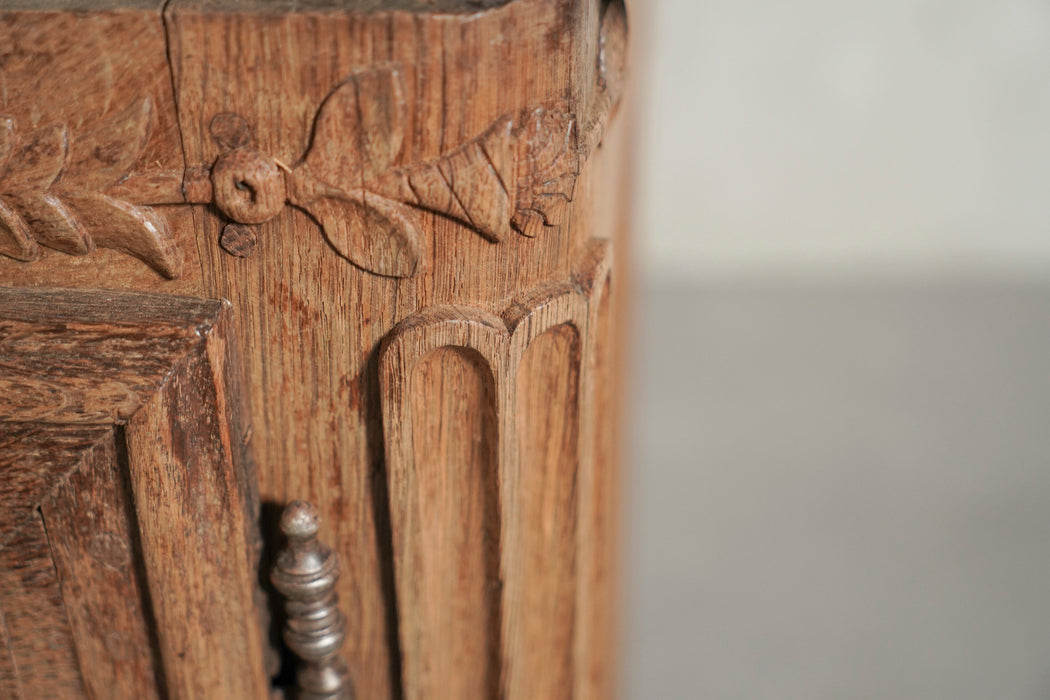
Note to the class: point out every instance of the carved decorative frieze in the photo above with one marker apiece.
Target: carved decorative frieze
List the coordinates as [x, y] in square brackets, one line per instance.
[53, 191]
[72, 192]
[519, 174]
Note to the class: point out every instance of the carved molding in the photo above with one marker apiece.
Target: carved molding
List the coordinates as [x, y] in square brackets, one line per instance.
[76, 364]
[517, 175]
[72, 192]
[53, 188]
[506, 481]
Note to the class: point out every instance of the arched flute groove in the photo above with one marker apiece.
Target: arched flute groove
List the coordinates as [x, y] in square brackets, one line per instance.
[479, 404]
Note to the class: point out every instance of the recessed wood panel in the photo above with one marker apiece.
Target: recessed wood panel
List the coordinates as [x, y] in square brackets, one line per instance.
[35, 618]
[94, 543]
[34, 458]
[540, 600]
[128, 556]
[454, 621]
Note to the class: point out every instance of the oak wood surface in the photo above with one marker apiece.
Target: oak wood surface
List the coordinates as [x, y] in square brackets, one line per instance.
[41, 652]
[93, 539]
[128, 555]
[412, 210]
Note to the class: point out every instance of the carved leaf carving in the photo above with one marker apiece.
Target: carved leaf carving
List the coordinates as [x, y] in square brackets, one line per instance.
[370, 231]
[102, 157]
[133, 230]
[52, 192]
[34, 165]
[358, 132]
[37, 162]
[53, 224]
[15, 239]
[518, 175]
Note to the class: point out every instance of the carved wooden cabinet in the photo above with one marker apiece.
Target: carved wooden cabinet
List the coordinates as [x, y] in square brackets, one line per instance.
[357, 252]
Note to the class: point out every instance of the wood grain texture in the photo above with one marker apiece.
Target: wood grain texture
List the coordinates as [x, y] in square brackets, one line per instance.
[73, 172]
[409, 220]
[146, 571]
[534, 358]
[453, 574]
[35, 619]
[306, 318]
[201, 572]
[34, 459]
[598, 534]
[94, 546]
[541, 601]
[75, 358]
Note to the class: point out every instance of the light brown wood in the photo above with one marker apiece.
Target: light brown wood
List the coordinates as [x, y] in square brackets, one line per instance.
[534, 358]
[411, 208]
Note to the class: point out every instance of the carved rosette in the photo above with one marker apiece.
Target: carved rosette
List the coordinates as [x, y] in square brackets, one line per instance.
[518, 175]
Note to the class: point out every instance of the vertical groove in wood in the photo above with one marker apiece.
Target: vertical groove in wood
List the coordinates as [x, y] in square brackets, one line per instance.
[94, 551]
[37, 623]
[539, 601]
[452, 620]
[440, 384]
[596, 633]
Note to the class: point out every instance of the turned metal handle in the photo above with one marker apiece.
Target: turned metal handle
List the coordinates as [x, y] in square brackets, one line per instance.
[305, 574]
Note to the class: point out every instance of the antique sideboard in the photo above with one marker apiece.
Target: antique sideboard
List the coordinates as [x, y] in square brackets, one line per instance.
[309, 370]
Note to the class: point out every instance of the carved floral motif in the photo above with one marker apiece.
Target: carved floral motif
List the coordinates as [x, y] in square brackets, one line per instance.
[518, 175]
[53, 192]
[71, 192]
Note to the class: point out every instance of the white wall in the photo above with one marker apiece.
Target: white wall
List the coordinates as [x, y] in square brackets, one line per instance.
[864, 137]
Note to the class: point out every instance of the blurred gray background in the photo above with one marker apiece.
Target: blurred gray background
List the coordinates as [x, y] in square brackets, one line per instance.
[839, 484]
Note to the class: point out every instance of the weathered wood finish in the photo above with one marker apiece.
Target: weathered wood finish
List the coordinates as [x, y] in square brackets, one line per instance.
[93, 542]
[411, 207]
[531, 370]
[118, 444]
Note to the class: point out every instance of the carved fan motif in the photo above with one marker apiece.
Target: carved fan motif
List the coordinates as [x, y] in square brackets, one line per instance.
[52, 192]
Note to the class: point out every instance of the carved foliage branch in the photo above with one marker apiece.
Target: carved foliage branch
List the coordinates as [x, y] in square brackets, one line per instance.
[53, 191]
[518, 175]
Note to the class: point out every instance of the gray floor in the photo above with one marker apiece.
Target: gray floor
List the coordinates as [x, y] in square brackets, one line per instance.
[842, 493]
